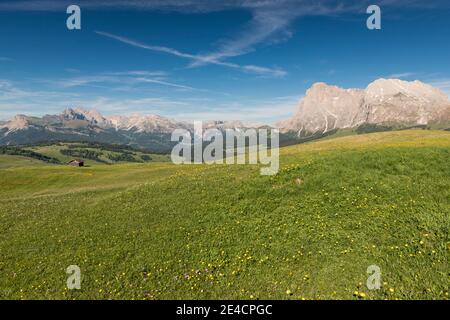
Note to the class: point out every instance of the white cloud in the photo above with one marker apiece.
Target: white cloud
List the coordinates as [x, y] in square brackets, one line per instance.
[108, 106]
[139, 73]
[267, 112]
[9, 91]
[127, 106]
[14, 100]
[263, 115]
[199, 59]
[189, 109]
[401, 75]
[269, 23]
[443, 84]
[125, 78]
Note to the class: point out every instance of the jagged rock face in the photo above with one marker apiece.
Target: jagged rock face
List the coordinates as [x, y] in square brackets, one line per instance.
[325, 108]
[407, 103]
[149, 123]
[93, 117]
[383, 102]
[20, 122]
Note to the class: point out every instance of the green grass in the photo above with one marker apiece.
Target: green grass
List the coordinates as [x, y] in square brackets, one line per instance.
[160, 231]
[9, 161]
[54, 151]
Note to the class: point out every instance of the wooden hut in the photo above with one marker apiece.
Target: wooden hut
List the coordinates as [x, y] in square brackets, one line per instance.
[76, 163]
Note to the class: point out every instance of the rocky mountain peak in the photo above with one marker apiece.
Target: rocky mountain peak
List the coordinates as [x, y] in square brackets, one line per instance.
[385, 88]
[92, 116]
[144, 123]
[384, 101]
[20, 122]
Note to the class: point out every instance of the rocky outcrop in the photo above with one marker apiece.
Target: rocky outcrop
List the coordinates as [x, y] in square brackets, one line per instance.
[93, 117]
[20, 122]
[145, 123]
[384, 102]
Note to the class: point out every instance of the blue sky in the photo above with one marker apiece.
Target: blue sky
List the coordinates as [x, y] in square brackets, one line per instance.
[198, 60]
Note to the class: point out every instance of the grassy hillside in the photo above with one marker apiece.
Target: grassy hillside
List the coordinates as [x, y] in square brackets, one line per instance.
[159, 231]
[97, 153]
[10, 161]
[91, 153]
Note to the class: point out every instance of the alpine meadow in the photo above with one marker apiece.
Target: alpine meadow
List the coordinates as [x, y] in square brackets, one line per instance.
[159, 231]
[224, 158]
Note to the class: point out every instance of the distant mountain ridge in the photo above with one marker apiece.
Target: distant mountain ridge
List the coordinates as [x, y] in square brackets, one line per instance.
[325, 109]
[77, 124]
[384, 102]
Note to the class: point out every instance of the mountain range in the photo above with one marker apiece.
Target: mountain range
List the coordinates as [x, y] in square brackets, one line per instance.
[150, 132]
[392, 104]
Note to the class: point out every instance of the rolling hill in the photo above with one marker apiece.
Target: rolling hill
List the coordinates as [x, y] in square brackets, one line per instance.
[160, 231]
[92, 153]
